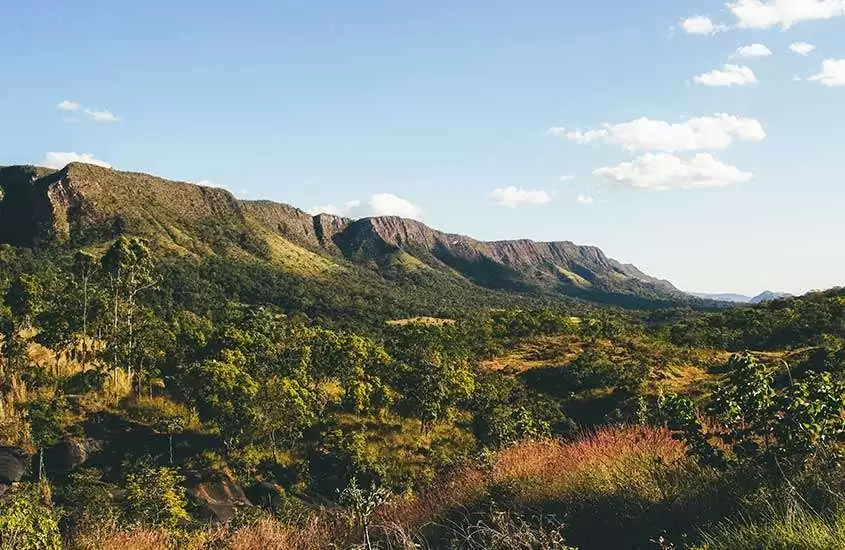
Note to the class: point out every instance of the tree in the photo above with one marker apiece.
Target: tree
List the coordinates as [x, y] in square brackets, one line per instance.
[129, 267]
[85, 268]
[287, 408]
[432, 388]
[223, 394]
[363, 504]
[778, 428]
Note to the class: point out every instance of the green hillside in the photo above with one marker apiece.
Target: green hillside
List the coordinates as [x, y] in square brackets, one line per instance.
[89, 206]
[180, 369]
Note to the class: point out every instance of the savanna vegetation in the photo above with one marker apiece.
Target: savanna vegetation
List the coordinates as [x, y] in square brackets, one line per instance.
[152, 403]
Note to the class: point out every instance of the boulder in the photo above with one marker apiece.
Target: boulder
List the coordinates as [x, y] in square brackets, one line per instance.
[218, 500]
[13, 466]
[266, 495]
[70, 453]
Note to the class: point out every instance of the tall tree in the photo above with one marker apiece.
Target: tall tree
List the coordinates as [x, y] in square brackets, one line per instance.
[129, 266]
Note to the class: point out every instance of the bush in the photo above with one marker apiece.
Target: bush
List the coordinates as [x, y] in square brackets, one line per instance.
[155, 497]
[26, 522]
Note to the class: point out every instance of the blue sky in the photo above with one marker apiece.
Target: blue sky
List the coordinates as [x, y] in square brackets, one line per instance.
[467, 114]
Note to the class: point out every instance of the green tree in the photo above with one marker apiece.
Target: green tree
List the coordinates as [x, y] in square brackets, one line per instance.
[223, 394]
[85, 267]
[128, 265]
[287, 408]
[432, 389]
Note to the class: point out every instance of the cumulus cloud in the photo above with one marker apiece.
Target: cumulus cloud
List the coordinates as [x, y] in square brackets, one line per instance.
[710, 132]
[730, 75]
[59, 160]
[765, 14]
[832, 74]
[802, 48]
[701, 24]
[513, 197]
[753, 50]
[101, 116]
[381, 204]
[68, 105]
[584, 199]
[664, 172]
[567, 178]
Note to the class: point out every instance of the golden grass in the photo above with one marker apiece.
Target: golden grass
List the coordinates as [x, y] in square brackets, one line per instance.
[432, 321]
[599, 463]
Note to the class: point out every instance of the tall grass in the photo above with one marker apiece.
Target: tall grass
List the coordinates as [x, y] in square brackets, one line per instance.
[613, 488]
[802, 532]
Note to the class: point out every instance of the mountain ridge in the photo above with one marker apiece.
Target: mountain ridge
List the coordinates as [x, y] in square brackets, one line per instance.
[765, 296]
[84, 204]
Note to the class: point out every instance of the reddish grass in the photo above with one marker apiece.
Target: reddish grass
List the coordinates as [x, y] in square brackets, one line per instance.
[599, 462]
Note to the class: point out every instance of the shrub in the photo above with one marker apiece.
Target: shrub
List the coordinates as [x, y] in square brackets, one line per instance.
[155, 496]
[26, 522]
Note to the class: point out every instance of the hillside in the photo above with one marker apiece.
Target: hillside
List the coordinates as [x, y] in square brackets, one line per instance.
[86, 205]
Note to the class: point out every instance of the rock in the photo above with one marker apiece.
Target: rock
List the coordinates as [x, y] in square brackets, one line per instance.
[217, 501]
[266, 495]
[13, 466]
[70, 453]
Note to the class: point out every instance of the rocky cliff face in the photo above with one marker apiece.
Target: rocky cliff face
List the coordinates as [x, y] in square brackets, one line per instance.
[83, 203]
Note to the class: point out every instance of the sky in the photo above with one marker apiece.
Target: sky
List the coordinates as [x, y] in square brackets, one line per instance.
[700, 140]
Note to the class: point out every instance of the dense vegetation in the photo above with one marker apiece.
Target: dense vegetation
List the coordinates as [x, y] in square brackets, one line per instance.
[148, 402]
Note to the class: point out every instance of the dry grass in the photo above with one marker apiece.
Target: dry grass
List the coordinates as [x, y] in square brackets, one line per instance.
[611, 461]
[431, 321]
[598, 463]
[135, 539]
[552, 471]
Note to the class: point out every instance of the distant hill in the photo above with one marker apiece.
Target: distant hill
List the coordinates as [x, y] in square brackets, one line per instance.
[768, 296]
[764, 296]
[85, 205]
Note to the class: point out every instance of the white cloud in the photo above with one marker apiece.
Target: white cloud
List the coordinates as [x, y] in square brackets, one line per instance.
[663, 172]
[60, 160]
[710, 132]
[802, 48]
[701, 24]
[765, 14]
[584, 199]
[730, 75]
[833, 73]
[753, 50]
[381, 204]
[92, 114]
[513, 197]
[567, 178]
[68, 105]
[556, 130]
[101, 116]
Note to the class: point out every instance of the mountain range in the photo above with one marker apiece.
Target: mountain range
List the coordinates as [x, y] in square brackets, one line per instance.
[765, 296]
[84, 205]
